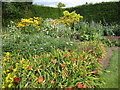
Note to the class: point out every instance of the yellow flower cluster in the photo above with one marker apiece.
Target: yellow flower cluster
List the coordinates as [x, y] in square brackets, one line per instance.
[9, 80]
[27, 22]
[72, 17]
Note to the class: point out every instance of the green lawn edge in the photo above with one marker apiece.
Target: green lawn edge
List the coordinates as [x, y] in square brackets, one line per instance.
[111, 77]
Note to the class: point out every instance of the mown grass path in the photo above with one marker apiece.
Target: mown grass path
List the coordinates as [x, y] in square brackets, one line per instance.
[111, 78]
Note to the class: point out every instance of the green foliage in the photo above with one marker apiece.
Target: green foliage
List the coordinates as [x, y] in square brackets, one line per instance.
[34, 44]
[89, 31]
[110, 43]
[106, 12]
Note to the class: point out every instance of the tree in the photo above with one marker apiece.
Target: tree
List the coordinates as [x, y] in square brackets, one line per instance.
[60, 4]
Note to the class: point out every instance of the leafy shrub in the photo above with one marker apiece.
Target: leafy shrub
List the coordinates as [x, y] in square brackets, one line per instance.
[89, 31]
[35, 43]
[56, 69]
[95, 48]
[110, 43]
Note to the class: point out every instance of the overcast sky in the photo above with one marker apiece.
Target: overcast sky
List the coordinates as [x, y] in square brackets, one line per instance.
[68, 3]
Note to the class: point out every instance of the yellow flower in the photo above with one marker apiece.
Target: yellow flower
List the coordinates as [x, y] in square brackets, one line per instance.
[15, 70]
[17, 64]
[10, 85]
[22, 60]
[4, 59]
[4, 72]
[20, 25]
[66, 13]
[30, 18]
[8, 70]
[3, 86]
[7, 54]
[4, 64]
[36, 22]
[11, 79]
[36, 17]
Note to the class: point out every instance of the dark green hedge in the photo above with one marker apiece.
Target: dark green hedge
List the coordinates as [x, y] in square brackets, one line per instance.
[14, 11]
[46, 12]
[106, 12]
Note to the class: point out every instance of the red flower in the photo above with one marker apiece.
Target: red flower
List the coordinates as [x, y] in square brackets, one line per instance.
[81, 66]
[38, 56]
[29, 67]
[84, 86]
[82, 58]
[52, 60]
[73, 51]
[11, 67]
[100, 59]
[51, 81]
[62, 65]
[18, 49]
[79, 85]
[65, 72]
[94, 71]
[16, 79]
[72, 59]
[40, 80]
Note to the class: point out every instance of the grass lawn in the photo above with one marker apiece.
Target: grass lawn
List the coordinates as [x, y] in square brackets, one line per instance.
[111, 78]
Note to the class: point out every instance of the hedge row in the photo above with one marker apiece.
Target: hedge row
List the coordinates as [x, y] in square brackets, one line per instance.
[106, 12]
[14, 11]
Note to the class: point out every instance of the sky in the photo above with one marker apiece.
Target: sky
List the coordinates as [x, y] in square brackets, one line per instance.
[68, 3]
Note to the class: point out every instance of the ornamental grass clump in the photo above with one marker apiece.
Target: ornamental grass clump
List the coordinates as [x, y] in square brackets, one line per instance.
[55, 69]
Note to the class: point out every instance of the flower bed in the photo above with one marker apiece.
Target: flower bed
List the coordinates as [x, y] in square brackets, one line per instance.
[57, 69]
